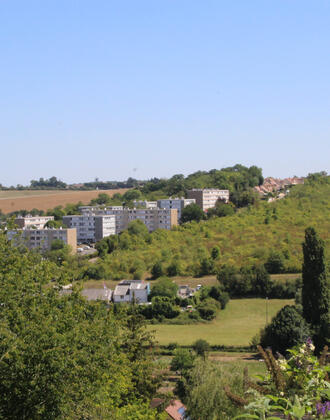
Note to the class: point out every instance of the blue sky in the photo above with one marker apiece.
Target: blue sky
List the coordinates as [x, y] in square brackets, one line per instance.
[113, 89]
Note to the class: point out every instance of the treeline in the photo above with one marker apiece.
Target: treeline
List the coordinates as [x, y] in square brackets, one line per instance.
[235, 178]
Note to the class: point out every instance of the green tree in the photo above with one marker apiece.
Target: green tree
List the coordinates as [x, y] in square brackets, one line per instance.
[138, 228]
[287, 329]
[183, 360]
[157, 270]
[275, 263]
[205, 396]
[162, 306]
[315, 287]
[164, 287]
[201, 347]
[192, 212]
[215, 252]
[60, 356]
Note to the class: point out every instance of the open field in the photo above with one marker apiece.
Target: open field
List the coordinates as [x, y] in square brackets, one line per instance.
[13, 200]
[234, 326]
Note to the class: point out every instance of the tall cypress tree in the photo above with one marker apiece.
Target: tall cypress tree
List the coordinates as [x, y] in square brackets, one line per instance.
[315, 290]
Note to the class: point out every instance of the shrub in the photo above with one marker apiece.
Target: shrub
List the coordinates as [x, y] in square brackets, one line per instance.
[157, 270]
[207, 309]
[287, 329]
[201, 347]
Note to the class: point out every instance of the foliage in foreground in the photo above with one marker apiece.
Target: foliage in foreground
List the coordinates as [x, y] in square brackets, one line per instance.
[297, 388]
[61, 357]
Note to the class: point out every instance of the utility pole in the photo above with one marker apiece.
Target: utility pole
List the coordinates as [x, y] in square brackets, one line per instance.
[266, 310]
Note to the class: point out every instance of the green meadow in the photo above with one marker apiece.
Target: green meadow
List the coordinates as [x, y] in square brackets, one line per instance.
[234, 326]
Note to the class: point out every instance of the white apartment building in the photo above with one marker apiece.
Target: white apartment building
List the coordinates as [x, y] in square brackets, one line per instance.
[175, 203]
[206, 198]
[95, 209]
[42, 238]
[28, 221]
[145, 204]
[91, 227]
[152, 218]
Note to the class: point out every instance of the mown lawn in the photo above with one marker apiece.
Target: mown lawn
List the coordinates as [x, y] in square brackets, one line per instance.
[234, 326]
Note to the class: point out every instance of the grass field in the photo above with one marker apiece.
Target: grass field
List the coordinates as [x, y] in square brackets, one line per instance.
[234, 326]
[13, 200]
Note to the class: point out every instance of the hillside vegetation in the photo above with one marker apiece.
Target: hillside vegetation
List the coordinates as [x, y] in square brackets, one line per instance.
[248, 237]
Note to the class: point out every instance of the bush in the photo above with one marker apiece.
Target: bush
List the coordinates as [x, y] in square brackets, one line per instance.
[275, 263]
[157, 270]
[201, 347]
[164, 287]
[207, 309]
[287, 329]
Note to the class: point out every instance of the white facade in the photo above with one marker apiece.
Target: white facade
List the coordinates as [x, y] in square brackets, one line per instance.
[95, 209]
[42, 238]
[207, 198]
[32, 221]
[91, 227]
[152, 218]
[145, 204]
[129, 290]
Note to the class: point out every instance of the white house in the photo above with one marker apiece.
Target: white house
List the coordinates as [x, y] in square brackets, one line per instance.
[127, 290]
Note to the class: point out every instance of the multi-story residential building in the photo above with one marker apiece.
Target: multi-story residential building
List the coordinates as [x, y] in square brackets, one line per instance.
[175, 203]
[129, 290]
[91, 227]
[42, 238]
[206, 198]
[145, 204]
[95, 209]
[29, 221]
[152, 218]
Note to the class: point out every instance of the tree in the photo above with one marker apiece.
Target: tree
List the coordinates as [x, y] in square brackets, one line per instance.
[315, 287]
[138, 228]
[60, 356]
[192, 212]
[287, 329]
[215, 252]
[221, 209]
[201, 347]
[157, 270]
[208, 309]
[162, 306]
[275, 263]
[183, 360]
[205, 396]
[164, 287]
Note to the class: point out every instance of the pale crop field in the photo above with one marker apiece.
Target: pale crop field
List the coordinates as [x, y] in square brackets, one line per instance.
[13, 200]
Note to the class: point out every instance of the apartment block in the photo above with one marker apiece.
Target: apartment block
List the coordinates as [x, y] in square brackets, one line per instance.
[145, 204]
[42, 238]
[175, 203]
[95, 209]
[206, 198]
[152, 218]
[91, 227]
[29, 221]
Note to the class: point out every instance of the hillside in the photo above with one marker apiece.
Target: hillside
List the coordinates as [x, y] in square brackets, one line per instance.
[245, 238]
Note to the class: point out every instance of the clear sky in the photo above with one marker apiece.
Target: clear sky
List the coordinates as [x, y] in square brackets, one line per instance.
[152, 88]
